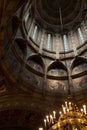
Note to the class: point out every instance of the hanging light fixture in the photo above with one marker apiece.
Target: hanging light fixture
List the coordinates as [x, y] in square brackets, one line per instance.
[70, 117]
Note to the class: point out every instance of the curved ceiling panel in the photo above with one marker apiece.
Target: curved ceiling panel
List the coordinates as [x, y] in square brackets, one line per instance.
[57, 65]
[40, 55]
[58, 11]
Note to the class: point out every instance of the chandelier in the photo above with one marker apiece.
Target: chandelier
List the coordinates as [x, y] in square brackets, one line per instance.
[70, 117]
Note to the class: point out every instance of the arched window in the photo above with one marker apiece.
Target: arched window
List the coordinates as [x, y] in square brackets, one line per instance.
[81, 39]
[39, 37]
[35, 33]
[65, 41]
[49, 42]
[26, 17]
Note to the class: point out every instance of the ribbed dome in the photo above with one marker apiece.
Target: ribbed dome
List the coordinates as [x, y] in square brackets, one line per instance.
[35, 59]
[48, 12]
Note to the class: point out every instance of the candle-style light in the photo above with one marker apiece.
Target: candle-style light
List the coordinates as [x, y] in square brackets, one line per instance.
[69, 104]
[45, 122]
[47, 118]
[64, 110]
[51, 118]
[54, 114]
[66, 103]
[60, 112]
[40, 128]
[84, 109]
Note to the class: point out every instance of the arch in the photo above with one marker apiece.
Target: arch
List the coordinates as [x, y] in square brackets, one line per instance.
[77, 61]
[56, 64]
[38, 59]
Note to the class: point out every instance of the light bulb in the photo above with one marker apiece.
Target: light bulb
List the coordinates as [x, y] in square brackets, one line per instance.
[40, 128]
[60, 112]
[54, 114]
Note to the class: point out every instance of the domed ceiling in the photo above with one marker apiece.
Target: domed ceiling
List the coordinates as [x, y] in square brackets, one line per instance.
[35, 65]
[33, 78]
[50, 12]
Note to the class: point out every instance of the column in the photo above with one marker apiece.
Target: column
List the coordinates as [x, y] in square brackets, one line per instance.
[39, 36]
[61, 43]
[45, 40]
[57, 47]
[76, 39]
[54, 43]
[42, 42]
[69, 42]
[73, 43]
